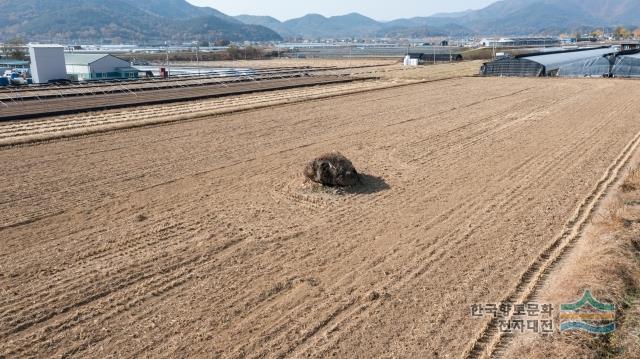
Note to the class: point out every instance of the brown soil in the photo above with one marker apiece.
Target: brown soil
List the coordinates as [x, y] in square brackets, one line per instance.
[199, 237]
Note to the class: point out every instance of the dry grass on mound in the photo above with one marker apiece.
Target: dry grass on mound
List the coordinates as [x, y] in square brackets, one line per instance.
[632, 182]
[613, 215]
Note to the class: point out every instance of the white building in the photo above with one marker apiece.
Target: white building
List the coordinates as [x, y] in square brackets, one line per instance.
[47, 63]
[83, 67]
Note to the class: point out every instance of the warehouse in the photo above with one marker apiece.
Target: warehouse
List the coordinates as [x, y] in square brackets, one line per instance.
[627, 64]
[591, 62]
[86, 67]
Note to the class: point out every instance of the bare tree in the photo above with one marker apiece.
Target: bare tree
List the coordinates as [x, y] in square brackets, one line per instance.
[622, 33]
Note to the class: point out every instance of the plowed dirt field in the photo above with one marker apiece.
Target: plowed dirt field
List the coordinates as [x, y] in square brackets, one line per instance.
[200, 237]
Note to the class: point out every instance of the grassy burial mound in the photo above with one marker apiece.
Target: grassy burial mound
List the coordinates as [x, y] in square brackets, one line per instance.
[332, 169]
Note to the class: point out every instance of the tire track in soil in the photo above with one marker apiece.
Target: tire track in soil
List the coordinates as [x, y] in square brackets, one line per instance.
[490, 338]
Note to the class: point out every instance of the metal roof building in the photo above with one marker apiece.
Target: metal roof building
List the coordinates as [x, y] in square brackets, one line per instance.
[84, 67]
[627, 64]
[591, 62]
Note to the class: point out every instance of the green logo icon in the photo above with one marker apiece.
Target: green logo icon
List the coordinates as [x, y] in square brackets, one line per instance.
[588, 315]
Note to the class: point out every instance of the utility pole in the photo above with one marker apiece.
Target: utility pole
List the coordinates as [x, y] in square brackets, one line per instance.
[350, 53]
[198, 56]
[434, 54]
[168, 64]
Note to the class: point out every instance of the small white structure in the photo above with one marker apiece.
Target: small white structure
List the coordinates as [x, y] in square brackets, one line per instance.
[83, 67]
[408, 61]
[47, 63]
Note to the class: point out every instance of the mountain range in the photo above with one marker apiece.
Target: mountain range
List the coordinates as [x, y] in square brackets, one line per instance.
[315, 26]
[521, 17]
[505, 17]
[122, 20]
[180, 21]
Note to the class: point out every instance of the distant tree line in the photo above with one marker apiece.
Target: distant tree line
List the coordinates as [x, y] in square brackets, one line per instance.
[233, 52]
[245, 53]
[14, 49]
[622, 33]
[619, 33]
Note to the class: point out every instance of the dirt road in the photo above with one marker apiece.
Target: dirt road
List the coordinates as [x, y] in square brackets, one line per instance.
[199, 238]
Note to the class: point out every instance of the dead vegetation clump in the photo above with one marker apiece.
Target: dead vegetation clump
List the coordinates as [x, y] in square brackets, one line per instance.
[612, 215]
[333, 170]
[632, 182]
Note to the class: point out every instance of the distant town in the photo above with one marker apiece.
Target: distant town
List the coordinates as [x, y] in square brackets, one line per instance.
[100, 62]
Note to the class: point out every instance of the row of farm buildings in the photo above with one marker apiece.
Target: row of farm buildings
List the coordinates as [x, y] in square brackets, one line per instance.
[588, 62]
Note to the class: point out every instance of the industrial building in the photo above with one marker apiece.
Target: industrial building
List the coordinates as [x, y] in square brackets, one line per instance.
[589, 62]
[522, 42]
[87, 67]
[627, 64]
[47, 63]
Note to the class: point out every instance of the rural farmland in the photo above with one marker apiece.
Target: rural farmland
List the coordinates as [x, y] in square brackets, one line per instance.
[126, 235]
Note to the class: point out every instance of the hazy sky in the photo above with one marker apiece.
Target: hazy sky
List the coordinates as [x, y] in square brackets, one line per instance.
[380, 10]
